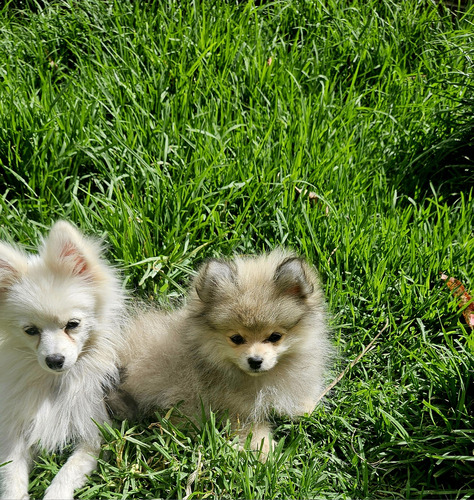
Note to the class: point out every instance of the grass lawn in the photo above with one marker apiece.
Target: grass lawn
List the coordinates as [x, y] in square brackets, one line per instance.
[180, 130]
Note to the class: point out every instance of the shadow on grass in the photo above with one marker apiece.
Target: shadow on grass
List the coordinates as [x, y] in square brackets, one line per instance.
[442, 160]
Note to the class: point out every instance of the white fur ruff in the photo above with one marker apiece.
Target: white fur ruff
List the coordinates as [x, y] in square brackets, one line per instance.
[49, 411]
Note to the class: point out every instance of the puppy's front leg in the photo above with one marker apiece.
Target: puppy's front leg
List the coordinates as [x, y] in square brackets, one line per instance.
[14, 476]
[261, 438]
[72, 474]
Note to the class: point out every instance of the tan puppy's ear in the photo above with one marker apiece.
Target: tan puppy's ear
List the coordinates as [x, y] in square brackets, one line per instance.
[13, 264]
[66, 250]
[291, 278]
[213, 279]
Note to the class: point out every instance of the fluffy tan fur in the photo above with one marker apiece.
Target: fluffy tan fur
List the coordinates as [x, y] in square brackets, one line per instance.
[251, 339]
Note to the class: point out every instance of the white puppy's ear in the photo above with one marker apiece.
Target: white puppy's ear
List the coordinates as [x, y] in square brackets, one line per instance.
[67, 250]
[291, 278]
[213, 279]
[13, 264]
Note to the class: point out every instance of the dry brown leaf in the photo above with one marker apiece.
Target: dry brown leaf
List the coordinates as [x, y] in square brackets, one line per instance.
[313, 198]
[465, 300]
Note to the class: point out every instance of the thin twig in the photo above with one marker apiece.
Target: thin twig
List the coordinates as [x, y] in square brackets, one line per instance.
[332, 253]
[353, 363]
[361, 458]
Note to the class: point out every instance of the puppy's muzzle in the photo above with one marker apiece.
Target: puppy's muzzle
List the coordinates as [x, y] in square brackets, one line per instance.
[255, 362]
[55, 361]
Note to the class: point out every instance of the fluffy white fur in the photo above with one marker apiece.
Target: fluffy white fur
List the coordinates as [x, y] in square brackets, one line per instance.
[252, 339]
[60, 324]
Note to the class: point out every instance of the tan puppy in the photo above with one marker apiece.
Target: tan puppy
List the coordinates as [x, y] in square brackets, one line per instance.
[251, 339]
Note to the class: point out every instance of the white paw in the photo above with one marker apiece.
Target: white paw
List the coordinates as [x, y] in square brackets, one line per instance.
[53, 493]
[14, 495]
[261, 440]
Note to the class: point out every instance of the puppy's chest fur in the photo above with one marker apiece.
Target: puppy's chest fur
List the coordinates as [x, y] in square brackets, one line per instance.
[51, 411]
[243, 396]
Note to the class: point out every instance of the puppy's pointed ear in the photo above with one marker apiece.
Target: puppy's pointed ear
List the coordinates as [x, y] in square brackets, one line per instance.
[213, 279]
[67, 250]
[13, 264]
[291, 278]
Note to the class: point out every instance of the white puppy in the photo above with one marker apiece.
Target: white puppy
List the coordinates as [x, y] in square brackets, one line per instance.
[60, 324]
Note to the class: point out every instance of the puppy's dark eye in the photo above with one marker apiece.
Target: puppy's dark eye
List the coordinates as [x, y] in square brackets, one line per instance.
[274, 337]
[32, 330]
[73, 323]
[237, 339]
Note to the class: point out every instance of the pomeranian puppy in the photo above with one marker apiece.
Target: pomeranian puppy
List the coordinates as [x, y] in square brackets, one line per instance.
[60, 324]
[252, 339]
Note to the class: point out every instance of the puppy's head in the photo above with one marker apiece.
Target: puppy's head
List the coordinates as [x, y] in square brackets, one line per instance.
[254, 310]
[49, 302]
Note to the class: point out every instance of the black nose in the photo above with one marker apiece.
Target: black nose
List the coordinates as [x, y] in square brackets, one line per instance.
[255, 362]
[55, 361]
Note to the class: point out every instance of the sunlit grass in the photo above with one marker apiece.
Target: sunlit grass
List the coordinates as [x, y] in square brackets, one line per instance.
[181, 130]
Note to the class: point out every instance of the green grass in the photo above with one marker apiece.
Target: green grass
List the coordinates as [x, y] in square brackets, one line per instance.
[181, 130]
